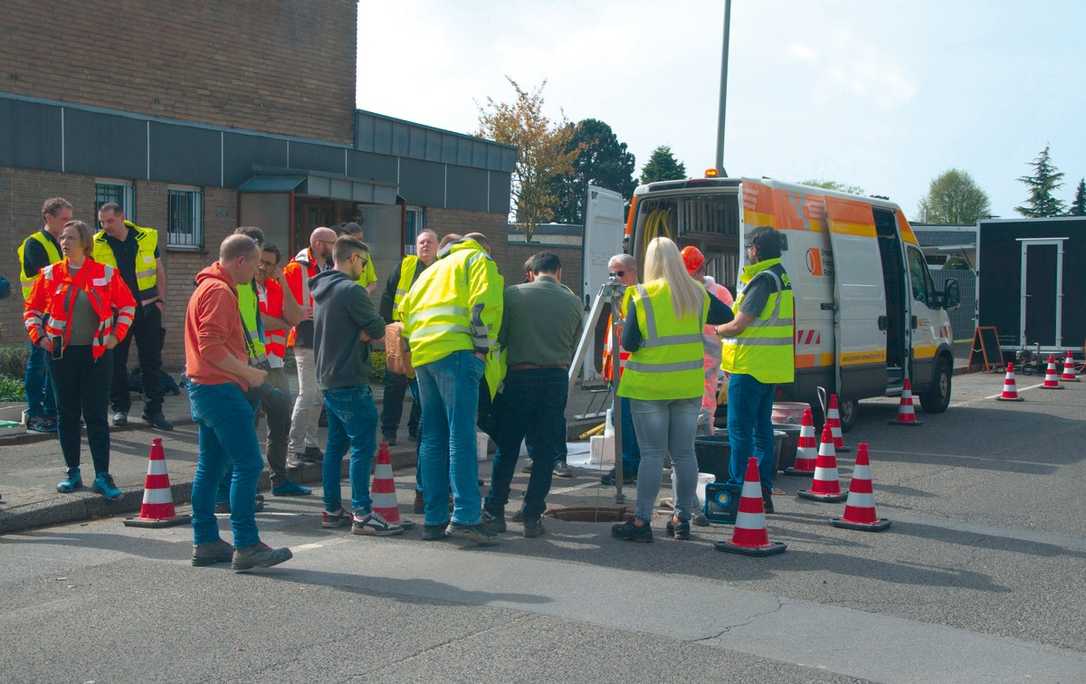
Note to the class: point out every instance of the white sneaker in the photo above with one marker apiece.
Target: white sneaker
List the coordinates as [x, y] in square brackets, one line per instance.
[374, 524]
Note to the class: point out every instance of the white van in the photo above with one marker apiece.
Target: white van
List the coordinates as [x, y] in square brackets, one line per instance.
[867, 312]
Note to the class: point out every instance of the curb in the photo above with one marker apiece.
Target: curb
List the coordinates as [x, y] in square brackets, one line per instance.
[89, 506]
[18, 438]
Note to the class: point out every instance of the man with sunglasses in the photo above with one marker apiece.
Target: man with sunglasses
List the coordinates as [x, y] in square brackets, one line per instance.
[623, 268]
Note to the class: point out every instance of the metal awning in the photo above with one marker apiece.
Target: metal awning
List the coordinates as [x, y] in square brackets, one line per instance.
[322, 185]
[271, 184]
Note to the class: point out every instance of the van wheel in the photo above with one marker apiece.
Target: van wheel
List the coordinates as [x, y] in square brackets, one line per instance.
[937, 398]
[850, 413]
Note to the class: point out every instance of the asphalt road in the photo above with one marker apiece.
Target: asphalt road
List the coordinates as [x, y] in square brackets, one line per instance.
[979, 579]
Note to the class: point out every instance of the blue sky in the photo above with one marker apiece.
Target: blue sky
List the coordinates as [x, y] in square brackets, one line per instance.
[881, 94]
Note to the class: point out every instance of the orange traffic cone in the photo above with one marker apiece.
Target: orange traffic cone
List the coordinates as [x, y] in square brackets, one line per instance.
[1052, 381]
[157, 509]
[906, 413]
[833, 417]
[806, 448]
[1010, 388]
[383, 490]
[749, 536]
[1069, 374]
[860, 508]
[826, 485]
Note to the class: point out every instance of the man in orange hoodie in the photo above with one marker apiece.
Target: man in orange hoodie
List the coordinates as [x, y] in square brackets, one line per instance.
[216, 363]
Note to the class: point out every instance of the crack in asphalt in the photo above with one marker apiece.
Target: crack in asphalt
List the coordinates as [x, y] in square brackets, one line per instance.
[757, 616]
[354, 676]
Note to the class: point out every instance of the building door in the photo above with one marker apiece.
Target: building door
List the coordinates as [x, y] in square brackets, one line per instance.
[1042, 293]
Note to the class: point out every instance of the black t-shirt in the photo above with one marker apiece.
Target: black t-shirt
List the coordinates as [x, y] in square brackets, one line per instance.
[124, 251]
[35, 258]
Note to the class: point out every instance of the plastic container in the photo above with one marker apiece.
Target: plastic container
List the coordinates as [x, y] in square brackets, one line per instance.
[704, 479]
[713, 452]
[482, 442]
[789, 412]
[786, 453]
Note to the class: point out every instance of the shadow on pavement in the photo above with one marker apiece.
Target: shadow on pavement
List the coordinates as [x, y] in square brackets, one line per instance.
[413, 591]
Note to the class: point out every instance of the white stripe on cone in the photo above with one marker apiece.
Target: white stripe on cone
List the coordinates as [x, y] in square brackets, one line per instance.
[860, 500]
[750, 521]
[751, 490]
[384, 501]
[825, 474]
[157, 496]
[382, 471]
[156, 467]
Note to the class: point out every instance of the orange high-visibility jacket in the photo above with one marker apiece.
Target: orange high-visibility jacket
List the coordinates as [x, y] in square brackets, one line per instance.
[271, 304]
[298, 272]
[49, 307]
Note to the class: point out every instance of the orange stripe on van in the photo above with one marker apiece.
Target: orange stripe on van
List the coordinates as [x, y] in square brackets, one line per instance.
[907, 234]
[857, 229]
[814, 360]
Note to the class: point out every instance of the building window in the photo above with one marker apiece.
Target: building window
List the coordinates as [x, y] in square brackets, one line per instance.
[185, 218]
[414, 222]
[119, 191]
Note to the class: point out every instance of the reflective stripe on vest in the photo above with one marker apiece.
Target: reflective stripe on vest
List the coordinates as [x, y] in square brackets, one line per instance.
[51, 252]
[669, 364]
[408, 267]
[764, 349]
[146, 263]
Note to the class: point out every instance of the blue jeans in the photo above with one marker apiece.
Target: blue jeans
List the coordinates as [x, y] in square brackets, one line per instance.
[40, 400]
[532, 405]
[750, 423]
[227, 437]
[631, 453]
[449, 391]
[352, 422]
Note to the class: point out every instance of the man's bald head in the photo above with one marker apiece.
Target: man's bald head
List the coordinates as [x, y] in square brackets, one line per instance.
[239, 256]
[322, 241]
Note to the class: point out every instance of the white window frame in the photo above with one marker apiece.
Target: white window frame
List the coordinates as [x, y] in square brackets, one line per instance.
[197, 214]
[420, 224]
[128, 203]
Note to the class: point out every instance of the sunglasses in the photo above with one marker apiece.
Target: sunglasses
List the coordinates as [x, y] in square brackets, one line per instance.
[618, 274]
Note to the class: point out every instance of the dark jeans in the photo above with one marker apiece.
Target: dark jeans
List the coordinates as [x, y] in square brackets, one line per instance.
[147, 330]
[750, 428]
[40, 400]
[277, 407]
[532, 405]
[392, 411]
[631, 452]
[82, 388]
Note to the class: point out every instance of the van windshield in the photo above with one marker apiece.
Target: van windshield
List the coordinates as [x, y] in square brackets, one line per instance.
[707, 220]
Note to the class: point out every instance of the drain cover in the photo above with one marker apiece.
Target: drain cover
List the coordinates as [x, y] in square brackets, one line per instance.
[597, 514]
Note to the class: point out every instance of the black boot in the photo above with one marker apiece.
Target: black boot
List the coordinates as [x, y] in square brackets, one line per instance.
[767, 498]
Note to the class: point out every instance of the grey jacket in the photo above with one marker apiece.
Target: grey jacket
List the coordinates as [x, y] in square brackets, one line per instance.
[342, 312]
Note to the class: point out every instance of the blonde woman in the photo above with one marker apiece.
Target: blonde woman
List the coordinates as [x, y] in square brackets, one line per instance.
[663, 381]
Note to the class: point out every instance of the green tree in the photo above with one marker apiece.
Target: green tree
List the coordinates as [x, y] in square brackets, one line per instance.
[1078, 206]
[1042, 184]
[954, 198]
[833, 185]
[602, 160]
[542, 152]
[662, 165]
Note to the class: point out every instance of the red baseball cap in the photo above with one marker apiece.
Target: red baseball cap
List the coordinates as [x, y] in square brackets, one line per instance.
[693, 259]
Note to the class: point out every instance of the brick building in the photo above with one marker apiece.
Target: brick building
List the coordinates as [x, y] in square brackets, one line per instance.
[223, 113]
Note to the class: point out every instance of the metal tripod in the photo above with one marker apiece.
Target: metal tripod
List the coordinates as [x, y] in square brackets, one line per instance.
[610, 292]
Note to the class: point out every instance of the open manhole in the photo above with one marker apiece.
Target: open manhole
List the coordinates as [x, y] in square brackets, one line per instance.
[595, 514]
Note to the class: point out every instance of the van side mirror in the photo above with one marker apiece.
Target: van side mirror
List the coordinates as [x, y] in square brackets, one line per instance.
[952, 294]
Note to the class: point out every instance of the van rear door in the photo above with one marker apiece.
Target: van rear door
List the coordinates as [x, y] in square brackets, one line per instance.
[859, 299]
[603, 232]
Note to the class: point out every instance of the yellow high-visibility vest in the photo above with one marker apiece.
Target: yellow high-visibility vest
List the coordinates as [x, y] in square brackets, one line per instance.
[765, 349]
[51, 251]
[668, 365]
[456, 305]
[146, 263]
[408, 267]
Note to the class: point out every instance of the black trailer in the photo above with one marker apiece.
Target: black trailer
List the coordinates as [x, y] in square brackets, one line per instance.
[1032, 282]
